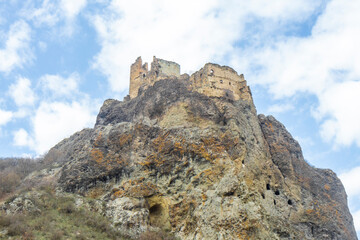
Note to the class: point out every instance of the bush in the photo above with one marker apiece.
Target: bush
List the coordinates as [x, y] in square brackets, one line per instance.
[41, 222]
[13, 170]
[5, 221]
[9, 181]
[17, 226]
[28, 236]
[98, 223]
[67, 207]
[59, 219]
[57, 235]
[21, 166]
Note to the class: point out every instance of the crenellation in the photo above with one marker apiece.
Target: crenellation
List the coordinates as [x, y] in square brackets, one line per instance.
[212, 80]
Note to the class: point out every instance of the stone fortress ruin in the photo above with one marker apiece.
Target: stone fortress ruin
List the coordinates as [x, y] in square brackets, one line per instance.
[212, 80]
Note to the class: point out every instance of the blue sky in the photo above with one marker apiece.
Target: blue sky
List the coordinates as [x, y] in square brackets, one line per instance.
[60, 59]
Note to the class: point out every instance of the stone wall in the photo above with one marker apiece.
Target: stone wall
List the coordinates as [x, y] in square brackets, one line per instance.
[220, 81]
[166, 68]
[212, 80]
[140, 76]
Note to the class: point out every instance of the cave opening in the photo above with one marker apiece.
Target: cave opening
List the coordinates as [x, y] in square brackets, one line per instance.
[155, 210]
[156, 213]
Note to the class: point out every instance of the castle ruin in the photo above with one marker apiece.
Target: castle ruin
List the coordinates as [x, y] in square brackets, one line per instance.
[212, 80]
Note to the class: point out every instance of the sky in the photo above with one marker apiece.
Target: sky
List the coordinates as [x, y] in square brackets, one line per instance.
[60, 59]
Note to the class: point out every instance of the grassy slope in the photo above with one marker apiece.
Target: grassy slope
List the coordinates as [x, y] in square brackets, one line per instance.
[58, 219]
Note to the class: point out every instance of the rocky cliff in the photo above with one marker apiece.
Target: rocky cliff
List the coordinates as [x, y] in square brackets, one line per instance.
[201, 167]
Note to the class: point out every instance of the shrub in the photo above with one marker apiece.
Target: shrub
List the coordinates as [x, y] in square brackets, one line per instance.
[57, 235]
[67, 207]
[13, 170]
[98, 223]
[5, 221]
[9, 181]
[28, 236]
[80, 236]
[18, 226]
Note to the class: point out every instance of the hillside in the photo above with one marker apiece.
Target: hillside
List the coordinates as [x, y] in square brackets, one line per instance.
[190, 156]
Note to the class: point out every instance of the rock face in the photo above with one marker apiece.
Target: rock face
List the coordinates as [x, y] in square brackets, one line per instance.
[203, 167]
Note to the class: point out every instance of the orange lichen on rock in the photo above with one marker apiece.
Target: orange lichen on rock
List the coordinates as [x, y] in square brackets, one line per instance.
[97, 155]
[135, 188]
[108, 159]
[181, 214]
[125, 139]
[95, 193]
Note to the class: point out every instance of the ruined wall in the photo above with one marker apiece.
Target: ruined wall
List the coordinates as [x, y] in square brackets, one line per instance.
[220, 81]
[165, 68]
[141, 77]
[138, 75]
[212, 80]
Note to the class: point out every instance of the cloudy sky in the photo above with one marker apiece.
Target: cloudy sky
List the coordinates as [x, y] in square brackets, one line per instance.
[60, 59]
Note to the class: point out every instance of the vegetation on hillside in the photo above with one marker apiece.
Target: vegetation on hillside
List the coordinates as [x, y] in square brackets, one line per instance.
[57, 216]
[13, 170]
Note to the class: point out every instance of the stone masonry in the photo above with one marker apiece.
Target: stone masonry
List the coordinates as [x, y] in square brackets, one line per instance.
[212, 80]
[140, 76]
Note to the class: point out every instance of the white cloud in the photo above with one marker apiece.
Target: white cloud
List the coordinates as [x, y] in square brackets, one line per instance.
[325, 64]
[54, 121]
[22, 112]
[16, 51]
[5, 117]
[351, 181]
[59, 86]
[22, 138]
[280, 108]
[356, 217]
[190, 32]
[340, 107]
[50, 13]
[71, 8]
[46, 14]
[61, 110]
[21, 92]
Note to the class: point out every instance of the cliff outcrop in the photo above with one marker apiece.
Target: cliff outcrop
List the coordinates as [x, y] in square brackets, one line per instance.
[202, 166]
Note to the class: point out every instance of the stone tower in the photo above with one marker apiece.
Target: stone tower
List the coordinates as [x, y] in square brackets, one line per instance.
[140, 76]
[138, 73]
